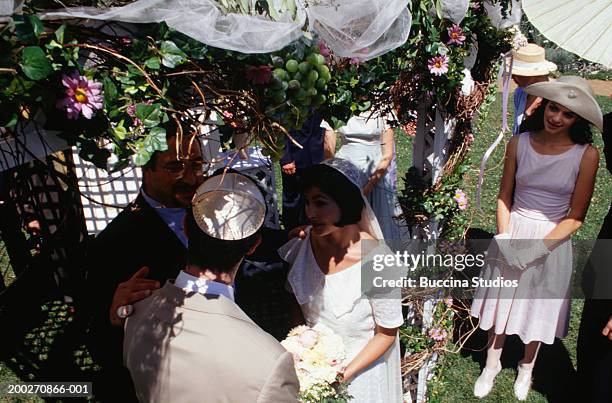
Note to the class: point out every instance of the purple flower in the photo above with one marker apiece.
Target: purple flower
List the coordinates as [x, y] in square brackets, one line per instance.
[355, 60]
[83, 96]
[438, 65]
[131, 110]
[461, 199]
[323, 49]
[438, 334]
[475, 6]
[455, 35]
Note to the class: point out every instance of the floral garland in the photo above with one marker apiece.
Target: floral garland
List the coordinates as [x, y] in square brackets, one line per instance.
[113, 94]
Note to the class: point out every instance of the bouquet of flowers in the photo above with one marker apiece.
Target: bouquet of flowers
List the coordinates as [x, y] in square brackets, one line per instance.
[319, 355]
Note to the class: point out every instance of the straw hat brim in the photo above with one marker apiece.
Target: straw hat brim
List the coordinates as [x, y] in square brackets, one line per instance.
[533, 69]
[573, 97]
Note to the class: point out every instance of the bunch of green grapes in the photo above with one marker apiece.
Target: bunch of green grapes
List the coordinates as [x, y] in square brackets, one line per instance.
[297, 84]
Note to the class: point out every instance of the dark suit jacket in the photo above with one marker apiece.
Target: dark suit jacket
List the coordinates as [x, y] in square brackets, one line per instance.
[137, 237]
[310, 136]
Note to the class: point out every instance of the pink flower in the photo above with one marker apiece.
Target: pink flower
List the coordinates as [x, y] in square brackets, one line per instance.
[455, 35]
[83, 96]
[323, 49]
[470, 138]
[259, 75]
[438, 65]
[475, 6]
[355, 60]
[308, 338]
[448, 302]
[228, 115]
[131, 109]
[438, 334]
[461, 199]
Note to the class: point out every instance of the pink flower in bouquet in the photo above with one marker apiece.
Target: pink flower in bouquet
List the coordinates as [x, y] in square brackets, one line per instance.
[323, 49]
[461, 199]
[438, 65]
[259, 75]
[83, 96]
[455, 35]
[438, 334]
[308, 338]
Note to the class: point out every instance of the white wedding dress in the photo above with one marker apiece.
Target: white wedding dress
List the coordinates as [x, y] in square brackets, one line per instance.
[336, 300]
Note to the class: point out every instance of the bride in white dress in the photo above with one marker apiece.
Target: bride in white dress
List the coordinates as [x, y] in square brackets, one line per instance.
[326, 277]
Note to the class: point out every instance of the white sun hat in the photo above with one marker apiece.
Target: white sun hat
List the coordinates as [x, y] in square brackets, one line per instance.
[229, 206]
[572, 92]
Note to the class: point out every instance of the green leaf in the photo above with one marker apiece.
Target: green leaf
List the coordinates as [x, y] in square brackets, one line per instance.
[439, 8]
[110, 90]
[18, 86]
[149, 114]
[153, 63]
[156, 140]
[10, 121]
[35, 64]
[37, 25]
[60, 33]
[142, 157]
[172, 56]
[119, 131]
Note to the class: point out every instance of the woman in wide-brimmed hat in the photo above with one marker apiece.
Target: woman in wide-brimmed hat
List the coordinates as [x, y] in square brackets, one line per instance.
[546, 187]
[528, 67]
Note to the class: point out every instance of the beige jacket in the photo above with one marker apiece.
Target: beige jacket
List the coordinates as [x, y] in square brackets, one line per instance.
[189, 347]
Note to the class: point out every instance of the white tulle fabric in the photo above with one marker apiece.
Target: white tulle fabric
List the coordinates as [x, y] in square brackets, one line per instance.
[361, 29]
[455, 10]
[351, 28]
[203, 20]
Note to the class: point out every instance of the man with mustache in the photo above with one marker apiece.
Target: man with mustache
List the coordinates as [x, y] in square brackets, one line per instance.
[139, 250]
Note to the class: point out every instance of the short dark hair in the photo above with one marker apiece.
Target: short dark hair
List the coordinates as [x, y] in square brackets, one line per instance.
[580, 132]
[211, 253]
[333, 183]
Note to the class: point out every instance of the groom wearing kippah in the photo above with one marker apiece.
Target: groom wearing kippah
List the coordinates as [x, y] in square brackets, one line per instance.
[189, 341]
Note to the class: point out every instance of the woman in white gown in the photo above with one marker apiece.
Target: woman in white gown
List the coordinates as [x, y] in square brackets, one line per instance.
[326, 278]
[367, 141]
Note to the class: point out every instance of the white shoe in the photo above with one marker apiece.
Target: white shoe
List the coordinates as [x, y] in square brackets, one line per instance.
[484, 383]
[523, 382]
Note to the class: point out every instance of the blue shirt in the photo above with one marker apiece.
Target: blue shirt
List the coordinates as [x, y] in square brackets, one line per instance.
[172, 216]
[520, 104]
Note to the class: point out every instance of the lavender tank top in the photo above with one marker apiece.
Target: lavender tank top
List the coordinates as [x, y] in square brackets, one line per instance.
[544, 184]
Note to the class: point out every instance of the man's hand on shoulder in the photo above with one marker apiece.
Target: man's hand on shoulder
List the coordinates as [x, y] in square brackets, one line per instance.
[133, 290]
[289, 169]
[298, 232]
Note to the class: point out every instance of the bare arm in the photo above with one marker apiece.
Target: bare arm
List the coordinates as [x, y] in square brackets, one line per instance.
[386, 140]
[378, 345]
[506, 188]
[585, 183]
[329, 144]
